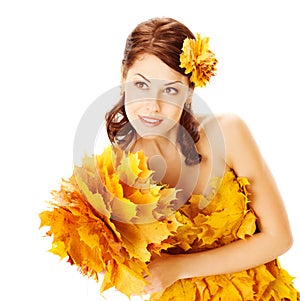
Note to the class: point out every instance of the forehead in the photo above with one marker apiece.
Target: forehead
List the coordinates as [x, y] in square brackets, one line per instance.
[152, 67]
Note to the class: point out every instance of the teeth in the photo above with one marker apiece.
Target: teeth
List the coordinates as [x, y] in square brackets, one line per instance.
[152, 121]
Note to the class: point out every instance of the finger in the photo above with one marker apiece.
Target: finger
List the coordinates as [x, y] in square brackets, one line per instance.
[150, 290]
[153, 288]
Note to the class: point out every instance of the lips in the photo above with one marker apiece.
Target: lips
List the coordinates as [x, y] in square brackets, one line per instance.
[150, 121]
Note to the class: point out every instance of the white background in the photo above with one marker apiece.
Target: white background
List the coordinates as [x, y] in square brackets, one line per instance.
[58, 56]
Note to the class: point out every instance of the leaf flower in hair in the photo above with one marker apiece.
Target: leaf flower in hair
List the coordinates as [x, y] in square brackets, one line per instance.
[197, 59]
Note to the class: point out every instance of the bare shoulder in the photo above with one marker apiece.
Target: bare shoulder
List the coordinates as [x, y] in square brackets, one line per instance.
[242, 151]
[235, 129]
[230, 133]
[231, 121]
[226, 122]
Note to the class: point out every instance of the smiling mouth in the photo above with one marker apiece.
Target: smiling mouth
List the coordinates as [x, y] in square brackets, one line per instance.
[150, 121]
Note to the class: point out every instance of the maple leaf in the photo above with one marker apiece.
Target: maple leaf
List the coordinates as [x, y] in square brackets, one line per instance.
[181, 290]
[244, 283]
[248, 225]
[137, 237]
[123, 210]
[126, 280]
[128, 169]
[145, 196]
[95, 199]
[263, 279]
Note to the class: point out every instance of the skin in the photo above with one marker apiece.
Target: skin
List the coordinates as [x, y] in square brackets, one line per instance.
[242, 155]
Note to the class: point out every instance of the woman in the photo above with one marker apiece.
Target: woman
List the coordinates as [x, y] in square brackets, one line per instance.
[152, 61]
[211, 235]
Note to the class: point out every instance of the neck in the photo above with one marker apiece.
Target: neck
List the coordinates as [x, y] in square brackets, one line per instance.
[161, 154]
[155, 146]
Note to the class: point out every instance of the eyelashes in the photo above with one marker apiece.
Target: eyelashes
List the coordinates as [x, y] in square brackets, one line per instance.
[171, 91]
[166, 90]
[141, 85]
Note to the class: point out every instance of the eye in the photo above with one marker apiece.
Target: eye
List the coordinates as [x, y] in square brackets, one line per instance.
[171, 91]
[141, 85]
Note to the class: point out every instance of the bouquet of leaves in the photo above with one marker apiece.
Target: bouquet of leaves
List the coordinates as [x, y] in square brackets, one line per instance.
[109, 217]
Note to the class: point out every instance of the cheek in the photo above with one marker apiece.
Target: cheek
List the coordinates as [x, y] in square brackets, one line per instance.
[131, 109]
[174, 112]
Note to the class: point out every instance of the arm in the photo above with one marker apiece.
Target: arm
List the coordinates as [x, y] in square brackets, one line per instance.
[242, 154]
[275, 236]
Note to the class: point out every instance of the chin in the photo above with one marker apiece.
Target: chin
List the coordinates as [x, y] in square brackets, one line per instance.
[161, 131]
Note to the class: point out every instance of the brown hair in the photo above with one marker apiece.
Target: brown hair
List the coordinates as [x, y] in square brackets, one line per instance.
[162, 37]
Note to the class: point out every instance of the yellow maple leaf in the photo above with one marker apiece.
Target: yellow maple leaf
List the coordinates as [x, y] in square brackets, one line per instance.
[244, 284]
[107, 159]
[181, 290]
[203, 289]
[128, 169]
[95, 199]
[145, 173]
[145, 196]
[137, 237]
[263, 279]
[248, 226]
[282, 285]
[123, 210]
[126, 280]
[61, 240]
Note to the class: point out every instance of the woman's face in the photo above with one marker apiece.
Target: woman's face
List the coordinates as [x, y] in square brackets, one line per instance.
[154, 97]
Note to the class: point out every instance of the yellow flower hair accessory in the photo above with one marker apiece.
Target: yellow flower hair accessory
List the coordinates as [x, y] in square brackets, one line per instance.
[198, 59]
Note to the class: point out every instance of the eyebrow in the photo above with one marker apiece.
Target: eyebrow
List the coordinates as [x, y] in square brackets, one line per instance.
[146, 79]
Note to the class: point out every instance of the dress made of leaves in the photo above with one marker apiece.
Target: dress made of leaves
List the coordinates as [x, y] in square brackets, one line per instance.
[99, 220]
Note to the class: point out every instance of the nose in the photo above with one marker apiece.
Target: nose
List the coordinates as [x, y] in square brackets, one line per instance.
[152, 105]
[153, 101]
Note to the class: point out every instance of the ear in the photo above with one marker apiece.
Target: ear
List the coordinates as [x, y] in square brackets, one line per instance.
[121, 89]
[122, 70]
[190, 97]
[122, 81]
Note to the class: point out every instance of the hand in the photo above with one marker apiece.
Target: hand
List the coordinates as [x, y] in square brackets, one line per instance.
[164, 271]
